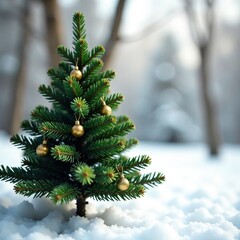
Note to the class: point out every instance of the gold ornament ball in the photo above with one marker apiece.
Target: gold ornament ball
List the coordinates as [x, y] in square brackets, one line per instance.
[106, 110]
[76, 73]
[42, 150]
[123, 184]
[77, 130]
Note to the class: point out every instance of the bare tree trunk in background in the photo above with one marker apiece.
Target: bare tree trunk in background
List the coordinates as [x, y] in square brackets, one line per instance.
[203, 42]
[211, 123]
[53, 26]
[20, 76]
[53, 40]
[109, 46]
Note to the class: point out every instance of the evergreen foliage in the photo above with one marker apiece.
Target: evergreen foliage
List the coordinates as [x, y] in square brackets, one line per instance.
[71, 167]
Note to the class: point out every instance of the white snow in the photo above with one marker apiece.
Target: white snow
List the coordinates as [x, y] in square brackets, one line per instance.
[200, 200]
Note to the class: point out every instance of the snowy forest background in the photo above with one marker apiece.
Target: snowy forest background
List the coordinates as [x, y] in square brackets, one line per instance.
[155, 56]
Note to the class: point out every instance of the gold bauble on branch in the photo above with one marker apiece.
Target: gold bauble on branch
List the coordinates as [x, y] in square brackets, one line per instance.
[77, 129]
[42, 149]
[106, 110]
[123, 183]
[76, 73]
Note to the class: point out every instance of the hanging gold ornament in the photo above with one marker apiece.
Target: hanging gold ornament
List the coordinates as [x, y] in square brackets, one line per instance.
[106, 110]
[123, 183]
[77, 129]
[76, 73]
[42, 149]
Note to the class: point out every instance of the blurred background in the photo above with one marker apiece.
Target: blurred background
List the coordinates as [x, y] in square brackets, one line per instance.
[176, 62]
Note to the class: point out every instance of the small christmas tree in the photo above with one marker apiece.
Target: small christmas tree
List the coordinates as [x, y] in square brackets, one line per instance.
[76, 148]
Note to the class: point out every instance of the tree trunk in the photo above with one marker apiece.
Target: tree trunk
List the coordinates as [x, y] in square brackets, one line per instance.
[20, 77]
[210, 122]
[203, 42]
[53, 27]
[81, 206]
[109, 46]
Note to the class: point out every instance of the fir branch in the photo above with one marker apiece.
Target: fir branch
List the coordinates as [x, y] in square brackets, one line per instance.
[30, 127]
[120, 129]
[109, 74]
[80, 107]
[131, 143]
[56, 130]
[104, 175]
[65, 153]
[149, 180]
[66, 54]
[132, 164]
[32, 155]
[72, 88]
[66, 68]
[122, 119]
[37, 188]
[18, 174]
[64, 193]
[53, 96]
[92, 70]
[97, 126]
[104, 148]
[98, 121]
[84, 174]
[94, 93]
[114, 100]
[57, 76]
[132, 174]
[44, 114]
[112, 193]
[79, 30]
[81, 52]
[96, 52]
[46, 165]
[24, 142]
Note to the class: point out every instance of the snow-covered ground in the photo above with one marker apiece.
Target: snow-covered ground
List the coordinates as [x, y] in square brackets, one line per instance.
[200, 200]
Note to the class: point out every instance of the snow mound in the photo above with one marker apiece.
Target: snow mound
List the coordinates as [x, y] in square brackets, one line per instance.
[199, 201]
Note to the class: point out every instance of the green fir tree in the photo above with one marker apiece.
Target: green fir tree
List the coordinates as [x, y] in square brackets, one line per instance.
[76, 149]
